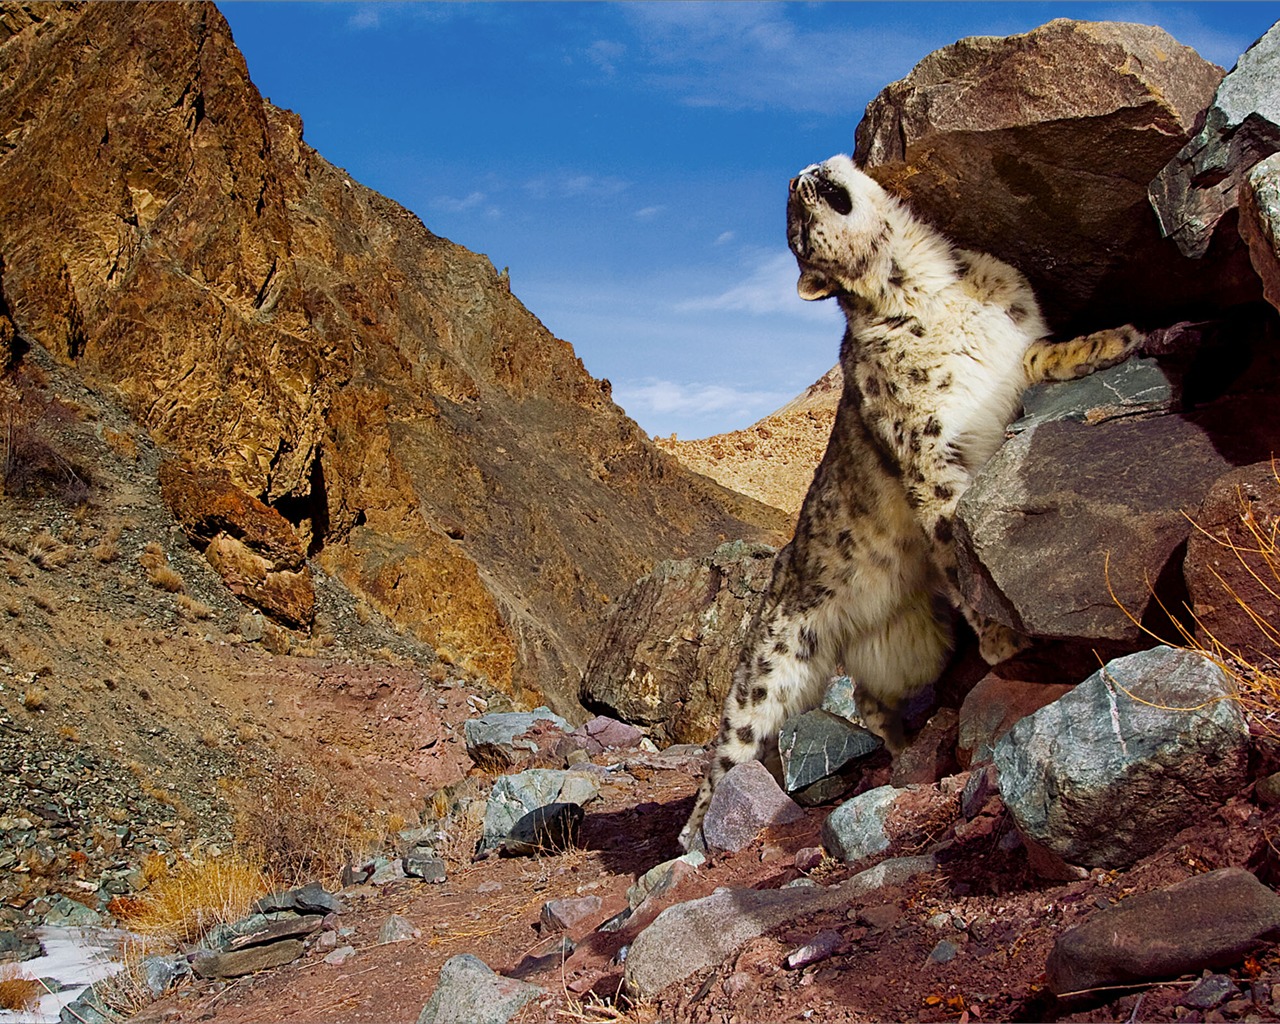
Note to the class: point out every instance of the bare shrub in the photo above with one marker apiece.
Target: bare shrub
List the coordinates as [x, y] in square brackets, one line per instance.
[32, 462]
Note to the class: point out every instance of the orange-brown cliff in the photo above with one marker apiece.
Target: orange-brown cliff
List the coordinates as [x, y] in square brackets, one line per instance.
[170, 234]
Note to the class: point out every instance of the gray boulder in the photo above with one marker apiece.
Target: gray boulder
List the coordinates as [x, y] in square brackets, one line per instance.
[1039, 149]
[1198, 187]
[1108, 772]
[1209, 921]
[469, 992]
[747, 800]
[666, 656]
[498, 741]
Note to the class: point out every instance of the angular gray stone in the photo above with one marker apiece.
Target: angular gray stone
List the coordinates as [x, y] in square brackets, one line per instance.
[855, 830]
[514, 796]
[689, 937]
[604, 733]
[661, 877]
[1242, 125]
[424, 865]
[397, 928]
[817, 744]
[497, 741]
[565, 914]
[306, 899]
[1108, 772]
[746, 801]
[67, 913]
[1137, 386]
[160, 973]
[260, 929]
[1211, 920]
[469, 992]
[820, 947]
[839, 700]
[1053, 179]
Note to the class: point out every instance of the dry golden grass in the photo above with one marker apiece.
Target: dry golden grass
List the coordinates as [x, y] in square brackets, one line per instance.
[33, 698]
[69, 733]
[184, 903]
[163, 577]
[193, 609]
[210, 739]
[106, 551]
[17, 991]
[47, 552]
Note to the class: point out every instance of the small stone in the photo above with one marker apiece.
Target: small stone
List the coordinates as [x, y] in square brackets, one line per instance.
[310, 898]
[1209, 992]
[340, 956]
[426, 866]
[397, 928]
[823, 945]
[944, 952]
[252, 626]
[565, 914]
[817, 744]
[855, 829]
[661, 877]
[881, 916]
[1268, 790]
[550, 829]
[809, 858]
[246, 961]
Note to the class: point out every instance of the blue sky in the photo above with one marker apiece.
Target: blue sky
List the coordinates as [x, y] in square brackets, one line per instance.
[628, 162]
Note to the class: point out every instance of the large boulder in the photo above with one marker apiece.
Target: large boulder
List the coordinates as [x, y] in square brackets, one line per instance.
[1108, 772]
[1039, 148]
[1259, 223]
[1198, 187]
[1074, 524]
[1209, 920]
[1233, 563]
[666, 657]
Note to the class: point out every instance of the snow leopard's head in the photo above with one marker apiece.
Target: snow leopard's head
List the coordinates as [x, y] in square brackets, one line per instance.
[835, 226]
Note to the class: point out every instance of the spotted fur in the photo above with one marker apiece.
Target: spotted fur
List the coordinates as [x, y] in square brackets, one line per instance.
[939, 346]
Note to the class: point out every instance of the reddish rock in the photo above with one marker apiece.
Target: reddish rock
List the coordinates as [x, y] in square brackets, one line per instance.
[1232, 567]
[931, 755]
[991, 709]
[1039, 148]
[250, 545]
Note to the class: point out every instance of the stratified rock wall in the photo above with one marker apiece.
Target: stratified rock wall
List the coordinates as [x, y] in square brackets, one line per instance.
[171, 234]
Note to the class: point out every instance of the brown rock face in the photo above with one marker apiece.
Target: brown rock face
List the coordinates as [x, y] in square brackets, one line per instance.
[1259, 223]
[170, 233]
[249, 544]
[666, 657]
[1233, 565]
[1039, 149]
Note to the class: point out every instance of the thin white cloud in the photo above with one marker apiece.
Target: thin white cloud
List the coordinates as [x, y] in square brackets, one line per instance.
[453, 204]
[575, 186]
[725, 237]
[657, 397]
[768, 285]
[605, 55]
[365, 18]
[648, 212]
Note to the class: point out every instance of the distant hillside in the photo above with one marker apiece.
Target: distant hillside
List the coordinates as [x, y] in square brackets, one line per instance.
[773, 459]
[169, 234]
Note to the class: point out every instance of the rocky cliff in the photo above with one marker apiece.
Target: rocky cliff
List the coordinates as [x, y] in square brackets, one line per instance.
[168, 232]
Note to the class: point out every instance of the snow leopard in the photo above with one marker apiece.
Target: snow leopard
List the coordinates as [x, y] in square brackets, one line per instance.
[939, 346]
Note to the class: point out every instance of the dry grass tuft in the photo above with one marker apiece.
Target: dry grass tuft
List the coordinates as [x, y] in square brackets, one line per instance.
[193, 609]
[47, 551]
[160, 574]
[1255, 671]
[18, 992]
[106, 551]
[183, 904]
[69, 733]
[33, 698]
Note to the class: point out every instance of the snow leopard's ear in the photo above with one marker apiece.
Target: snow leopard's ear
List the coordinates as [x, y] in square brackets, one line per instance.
[814, 284]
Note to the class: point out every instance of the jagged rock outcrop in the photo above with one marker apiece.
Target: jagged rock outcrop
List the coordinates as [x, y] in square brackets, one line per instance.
[249, 544]
[666, 656]
[1199, 186]
[1039, 148]
[1259, 223]
[170, 233]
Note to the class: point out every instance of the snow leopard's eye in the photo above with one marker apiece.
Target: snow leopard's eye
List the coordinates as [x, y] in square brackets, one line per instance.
[835, 196]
